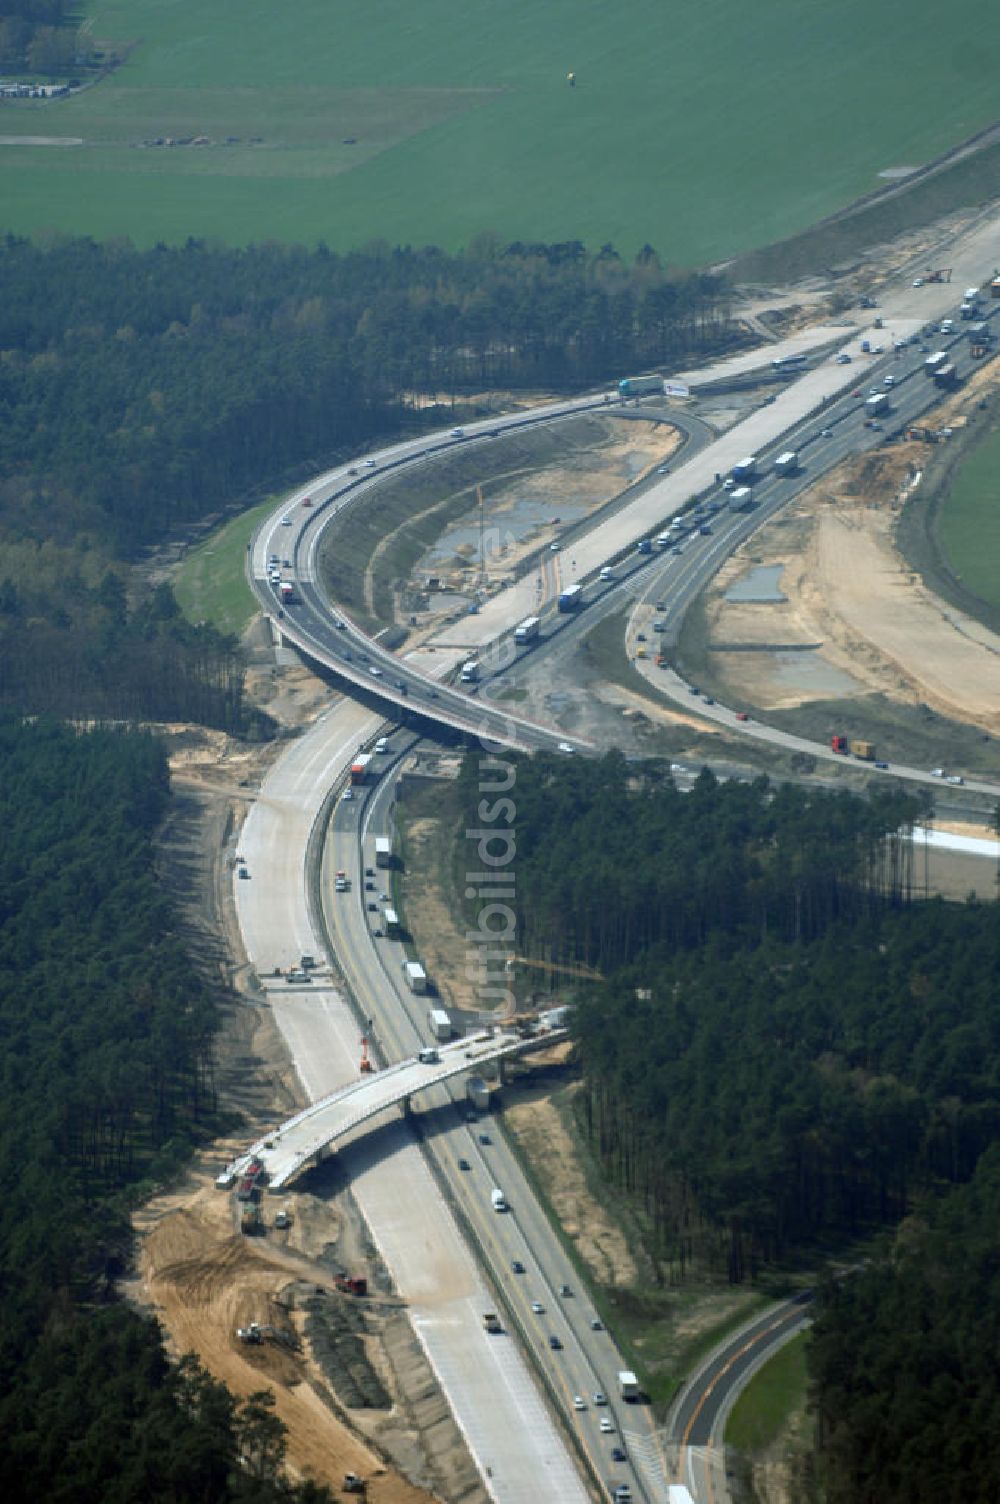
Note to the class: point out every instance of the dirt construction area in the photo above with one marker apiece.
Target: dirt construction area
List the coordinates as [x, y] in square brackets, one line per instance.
[838, 613]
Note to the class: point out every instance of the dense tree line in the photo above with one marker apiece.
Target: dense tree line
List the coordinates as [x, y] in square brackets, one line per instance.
[105, 1079]
[141, 389]
[40, 36]
[785, 1047]
[69, 648]
[903, 1362]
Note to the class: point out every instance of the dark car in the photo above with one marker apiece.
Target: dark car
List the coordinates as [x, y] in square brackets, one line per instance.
[554, 1343]
[880, 764]
[373, 908]
[484, 1138]
[517, 1266]
[618, 1454]
[463, 1164]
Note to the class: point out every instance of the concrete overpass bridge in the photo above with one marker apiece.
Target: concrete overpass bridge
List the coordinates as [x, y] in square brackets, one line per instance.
[305, 1138]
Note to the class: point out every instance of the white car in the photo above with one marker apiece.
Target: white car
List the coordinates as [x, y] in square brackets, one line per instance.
[607, 1425]
[843, 359]
[954, 778]
[889, 381]
[286, 522]
[917, 282]
[538, 1308]
[579, 1403]
[937, 772]
[566, 749]
[347, 795]
[375, 671]
[458, 433]
[371, 464]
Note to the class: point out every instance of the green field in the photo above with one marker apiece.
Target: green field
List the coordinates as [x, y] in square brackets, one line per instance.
[770, 1398]
[211, 584]
[969, 522]
[702, 129]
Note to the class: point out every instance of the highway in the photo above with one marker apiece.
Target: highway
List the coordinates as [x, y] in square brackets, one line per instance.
[412, 1219]
[488, 1384]
[586, 1361]
[698, 1415]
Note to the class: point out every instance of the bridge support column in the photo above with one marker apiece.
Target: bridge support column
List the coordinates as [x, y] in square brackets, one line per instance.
[407, 1107]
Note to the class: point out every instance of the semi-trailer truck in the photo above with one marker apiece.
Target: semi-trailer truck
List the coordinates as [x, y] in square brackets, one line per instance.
[741, 500]
[360, 767]
[640, 386]
[786, 463]
[744, 469]
[877, 404]
[571, 599]
[934, 362]
[439, 1023]
[527, 631]
[414, 976]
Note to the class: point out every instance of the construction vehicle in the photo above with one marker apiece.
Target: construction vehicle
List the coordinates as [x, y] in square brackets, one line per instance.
[940, 274]
[864, 750]
[351, 1284]
[252, 1334]
[924, 435]
[251, 1221]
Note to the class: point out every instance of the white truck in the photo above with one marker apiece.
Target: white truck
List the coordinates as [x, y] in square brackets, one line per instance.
[383, 851]
[628, 1385]
[527, 630]
[787, 463]
[414, 976]
[439, 1023]
[877, 405]
[470, 672]
[741, 500]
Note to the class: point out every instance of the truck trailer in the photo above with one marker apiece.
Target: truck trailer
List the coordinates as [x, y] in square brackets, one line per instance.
[414, 976]
[934, 362]
[640, 386]
[864, 750]
[360, 767]
[527, 630]
[946, 375]
[877, 405]
[439, 1023]
[286, 590]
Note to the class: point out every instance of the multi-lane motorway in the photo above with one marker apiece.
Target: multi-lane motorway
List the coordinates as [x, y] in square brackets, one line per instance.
[278, 923]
